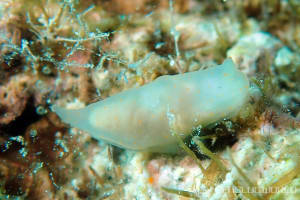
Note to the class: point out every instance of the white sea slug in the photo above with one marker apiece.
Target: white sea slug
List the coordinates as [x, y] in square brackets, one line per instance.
[144, 118]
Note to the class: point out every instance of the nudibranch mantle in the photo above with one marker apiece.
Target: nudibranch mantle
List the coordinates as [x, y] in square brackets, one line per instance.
[144, 118]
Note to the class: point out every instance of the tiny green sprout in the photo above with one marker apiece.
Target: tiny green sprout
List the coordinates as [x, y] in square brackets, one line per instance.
[46, 70]
[181, 192]
[33, 133]
[37, 166]
[41, 110]
[189, 151]
[244, 177]
[210, 154]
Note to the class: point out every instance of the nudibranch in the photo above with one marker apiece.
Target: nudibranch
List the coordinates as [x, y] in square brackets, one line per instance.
[146, 117]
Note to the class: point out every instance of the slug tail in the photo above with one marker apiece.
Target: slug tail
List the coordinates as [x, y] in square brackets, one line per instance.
[74, 117]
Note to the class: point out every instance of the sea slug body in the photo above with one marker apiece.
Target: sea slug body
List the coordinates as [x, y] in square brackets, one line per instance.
[144, 118]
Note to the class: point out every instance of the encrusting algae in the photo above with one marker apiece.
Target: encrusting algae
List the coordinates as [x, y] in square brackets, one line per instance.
[127, 55]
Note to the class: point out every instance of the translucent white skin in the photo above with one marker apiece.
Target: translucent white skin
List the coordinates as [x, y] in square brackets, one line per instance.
[144, 118]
